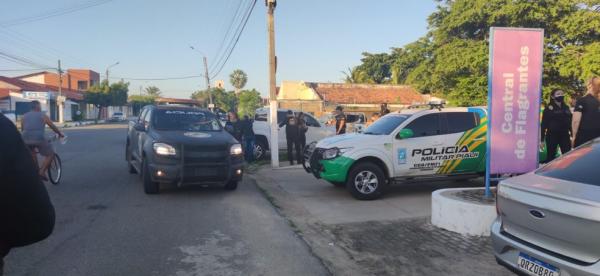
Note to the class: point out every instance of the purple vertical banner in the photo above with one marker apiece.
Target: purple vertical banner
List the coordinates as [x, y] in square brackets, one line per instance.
[516, 57]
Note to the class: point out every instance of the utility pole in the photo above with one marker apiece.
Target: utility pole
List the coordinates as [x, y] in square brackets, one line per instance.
[210, 99]
[59, 100]
[274, 144]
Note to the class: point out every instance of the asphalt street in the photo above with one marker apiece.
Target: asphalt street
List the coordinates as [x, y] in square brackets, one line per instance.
[106, 225]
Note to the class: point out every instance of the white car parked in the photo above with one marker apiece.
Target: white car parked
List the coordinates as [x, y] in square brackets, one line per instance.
[262, 130]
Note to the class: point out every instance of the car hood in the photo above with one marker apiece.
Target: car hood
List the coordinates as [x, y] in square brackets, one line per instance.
[208, 138]
[350, 140]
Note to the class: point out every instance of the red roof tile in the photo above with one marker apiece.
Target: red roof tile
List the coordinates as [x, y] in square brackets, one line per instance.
[31, 86]
[4, 92]
[341, 93]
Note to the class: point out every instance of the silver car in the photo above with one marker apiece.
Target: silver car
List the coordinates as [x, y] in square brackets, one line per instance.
[549, 220]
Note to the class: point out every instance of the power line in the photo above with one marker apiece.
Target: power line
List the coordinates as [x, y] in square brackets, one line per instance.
[22, 60]
[229, 28]
[53, 13]
[236, 40]
[224, 50]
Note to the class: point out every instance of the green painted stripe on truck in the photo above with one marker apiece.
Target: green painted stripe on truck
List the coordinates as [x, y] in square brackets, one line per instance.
[336, 169]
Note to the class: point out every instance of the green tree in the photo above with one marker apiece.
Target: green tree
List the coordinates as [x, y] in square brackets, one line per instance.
[153, 91]
[139, 101]
[452, 59]
[238, 79]
[221, 98]
[104, 95]
[248, 102]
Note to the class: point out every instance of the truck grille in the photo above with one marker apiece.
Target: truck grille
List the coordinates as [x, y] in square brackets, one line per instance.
[205, 163]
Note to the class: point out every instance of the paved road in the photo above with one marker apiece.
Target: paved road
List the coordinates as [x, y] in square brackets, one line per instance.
[106, 225]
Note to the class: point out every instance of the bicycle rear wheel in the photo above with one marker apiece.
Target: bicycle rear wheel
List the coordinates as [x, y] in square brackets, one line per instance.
[55, 170]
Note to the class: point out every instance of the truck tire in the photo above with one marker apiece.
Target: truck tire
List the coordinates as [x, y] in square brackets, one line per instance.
[130, 167]
[150, 187]
[260, 149]
[231, 185]
[366, 181]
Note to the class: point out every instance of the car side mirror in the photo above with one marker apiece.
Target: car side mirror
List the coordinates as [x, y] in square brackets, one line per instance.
[406, 133]
[139, 127]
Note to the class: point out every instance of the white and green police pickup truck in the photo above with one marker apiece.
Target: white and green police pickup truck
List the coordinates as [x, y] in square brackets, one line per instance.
[414, 144]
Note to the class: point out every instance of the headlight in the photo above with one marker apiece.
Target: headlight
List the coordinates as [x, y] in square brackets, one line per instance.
[164, 149]
[236, 149]
[334, 152]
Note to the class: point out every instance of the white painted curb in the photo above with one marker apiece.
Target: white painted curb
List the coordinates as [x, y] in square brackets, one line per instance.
[461, 216]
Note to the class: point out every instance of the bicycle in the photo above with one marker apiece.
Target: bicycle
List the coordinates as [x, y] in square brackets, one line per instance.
[54, 171]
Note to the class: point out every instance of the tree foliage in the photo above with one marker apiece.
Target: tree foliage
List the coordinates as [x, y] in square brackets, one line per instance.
[238, 79]
[153, 91]
[451, 60]
[137, 102]
[103, 95]
[248, 102]
[222, 99]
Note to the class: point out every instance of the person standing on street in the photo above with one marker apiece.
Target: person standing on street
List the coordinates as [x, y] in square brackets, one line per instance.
[302, 129]
[26, 212]
[556, 125]
[248, 138]
[340, 121]
[233, 126]
[384, 109]
[586, 117]
[291, 136]
[33, 125]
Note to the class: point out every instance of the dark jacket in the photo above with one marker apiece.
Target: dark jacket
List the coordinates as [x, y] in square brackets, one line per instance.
[26, 213]
[556, 119]
[291, 127]
[235, 129]
[246, 128]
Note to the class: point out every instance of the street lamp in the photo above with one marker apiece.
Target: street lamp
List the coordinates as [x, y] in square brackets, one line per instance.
[210, 99]
[115, 64]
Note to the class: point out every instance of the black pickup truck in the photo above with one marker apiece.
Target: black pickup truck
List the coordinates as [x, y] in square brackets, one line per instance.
[182, 145]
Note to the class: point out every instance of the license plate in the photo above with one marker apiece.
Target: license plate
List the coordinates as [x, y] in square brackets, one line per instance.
[533, 266]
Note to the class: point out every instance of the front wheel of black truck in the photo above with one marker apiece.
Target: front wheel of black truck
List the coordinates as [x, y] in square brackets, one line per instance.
[231, 185]
[150, 187]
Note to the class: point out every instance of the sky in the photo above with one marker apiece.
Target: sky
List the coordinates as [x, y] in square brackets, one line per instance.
[315, 40]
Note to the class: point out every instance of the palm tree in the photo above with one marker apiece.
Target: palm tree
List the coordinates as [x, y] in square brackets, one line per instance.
[153, 91]
[238, 79]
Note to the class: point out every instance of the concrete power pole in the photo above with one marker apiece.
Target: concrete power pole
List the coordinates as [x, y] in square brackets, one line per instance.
[274, 144]
[59, 100]
[210, 99]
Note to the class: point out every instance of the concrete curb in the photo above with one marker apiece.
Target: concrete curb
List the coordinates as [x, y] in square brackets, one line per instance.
[80, 123]
[462, 215]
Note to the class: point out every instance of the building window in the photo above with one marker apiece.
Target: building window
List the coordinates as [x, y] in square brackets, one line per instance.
[82, 85]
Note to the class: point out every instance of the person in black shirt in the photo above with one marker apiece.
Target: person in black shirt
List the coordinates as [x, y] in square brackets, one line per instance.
[26, 213]
[302, 129]
[384, 109]
[248, 138]
[233, 126]
[556, 125]
[586, 117]
[340, 121]
[291, 136]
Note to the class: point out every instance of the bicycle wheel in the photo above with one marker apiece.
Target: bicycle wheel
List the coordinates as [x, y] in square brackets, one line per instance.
[55, 170]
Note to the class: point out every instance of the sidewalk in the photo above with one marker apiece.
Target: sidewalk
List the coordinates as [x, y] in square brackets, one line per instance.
[390, 236]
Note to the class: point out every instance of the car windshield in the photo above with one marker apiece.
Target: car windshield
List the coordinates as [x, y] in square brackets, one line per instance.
[579, 165]
[185, 120]
[386, 124]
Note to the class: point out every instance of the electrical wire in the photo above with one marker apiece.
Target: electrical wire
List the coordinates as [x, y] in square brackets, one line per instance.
[229, 29]
[52, 13]
[236, 40]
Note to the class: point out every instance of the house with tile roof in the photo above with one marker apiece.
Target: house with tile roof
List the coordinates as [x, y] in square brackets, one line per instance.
[15, 95]
[322, 98]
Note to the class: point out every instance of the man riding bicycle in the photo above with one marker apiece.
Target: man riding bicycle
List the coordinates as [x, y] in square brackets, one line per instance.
[33, 127]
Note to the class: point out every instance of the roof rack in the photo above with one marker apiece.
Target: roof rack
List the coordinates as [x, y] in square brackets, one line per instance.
[439, 104]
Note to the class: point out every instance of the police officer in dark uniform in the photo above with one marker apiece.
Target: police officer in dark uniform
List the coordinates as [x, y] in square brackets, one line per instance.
[292, 137]
[556, 125]
[340, 121]
[586, 117]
